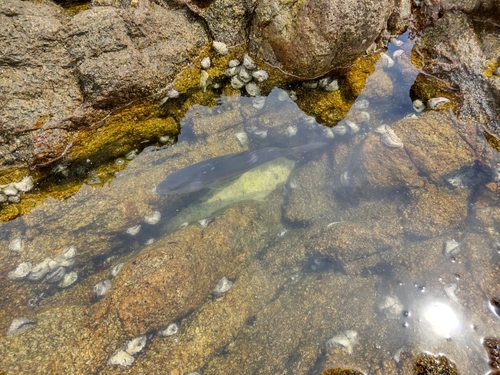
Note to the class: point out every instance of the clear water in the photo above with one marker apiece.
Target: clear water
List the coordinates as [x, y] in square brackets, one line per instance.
[335, 266]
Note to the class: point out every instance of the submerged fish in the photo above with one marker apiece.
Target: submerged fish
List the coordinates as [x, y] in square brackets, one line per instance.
[215, 171]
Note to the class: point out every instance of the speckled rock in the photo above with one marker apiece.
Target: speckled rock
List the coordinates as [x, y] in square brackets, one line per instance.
[305, 39]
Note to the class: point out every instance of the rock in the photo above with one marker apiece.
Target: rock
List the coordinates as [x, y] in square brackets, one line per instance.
[304, 40]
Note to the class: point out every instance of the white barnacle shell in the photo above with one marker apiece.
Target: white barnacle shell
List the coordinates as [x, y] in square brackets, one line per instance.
[252, 89]
[328, 133]
[69, 253]
[387, 62]
[136, 345]
[390, 139]
[39, 271]
[340, 129]
[205, 80]
[418, 105]
[101, 289]
[260, 75]
[116, 269]
[345, 340]
[204, 222]
[56, 276]
[121, 359]
[171, 330]
[164, 139]
[497, 71]
[332, 86]
[396, 42]
[134, 230]
[223, 286]
[16, 244]
[237, 83]
[244, 75]
[451, 248]
[291, 130]
[248, 62]
[131, 155]
[258, 102]
[14, 199]
[153, 219]
[3, 197]
[232, 71]
[68, 280]
[434, 103]
[172, 93]
[382, 129]
[361, 104]
[233, 63]
[26, 184]
[206, 63]
[353, 127]
[10, 190]
[364, 116]
[21, 271]
[398, 52]
[391, 307]
[19, 325]
[261, 133]
[220, 47]
[242, 137]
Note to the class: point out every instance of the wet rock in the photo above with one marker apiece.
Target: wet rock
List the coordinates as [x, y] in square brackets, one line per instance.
[304, 41]
[378, 86]
[429, 364]
[176, 281]
[432, 211]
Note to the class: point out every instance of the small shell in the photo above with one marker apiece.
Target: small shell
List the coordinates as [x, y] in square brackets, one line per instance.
[206, 63]
[116, 269]
[361, 104]
[26, 184]
[19, 325]
[248, 62]
[56, 275]
[252, 89]
[382, 129]
[153, 219]
[259, 102]
[451, 248]
[391, 307]
[101, 289]
[173, 93]
[418, 105]
[244, 75]
[396, 42]
[237, 83]
[387, 62]
[230, 72]
[340, 129]
[16, 244]
[233, 63]
[10, 190]
[205, 80]
[397, 53]
[171, 330]
[332, 86]
[345, 340]
[164, 139]
[121, 359]
[69, 253]
[220, 47]
[260, 75]
[222, 287]
[68, 280]
[242, 138]
[353, 127]
[136, 345]
[204, 222]
[390, 139]
[134, 230]
[434, 103]
[291, 130]
[39, 271]
[21, 271]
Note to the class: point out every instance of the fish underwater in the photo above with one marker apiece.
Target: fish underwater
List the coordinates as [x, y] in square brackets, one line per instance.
[213, 172]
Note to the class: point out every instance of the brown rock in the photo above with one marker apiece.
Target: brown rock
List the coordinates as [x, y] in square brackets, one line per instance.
[309, 38]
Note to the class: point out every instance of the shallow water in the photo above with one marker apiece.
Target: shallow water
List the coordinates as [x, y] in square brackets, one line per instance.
[338, 258]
